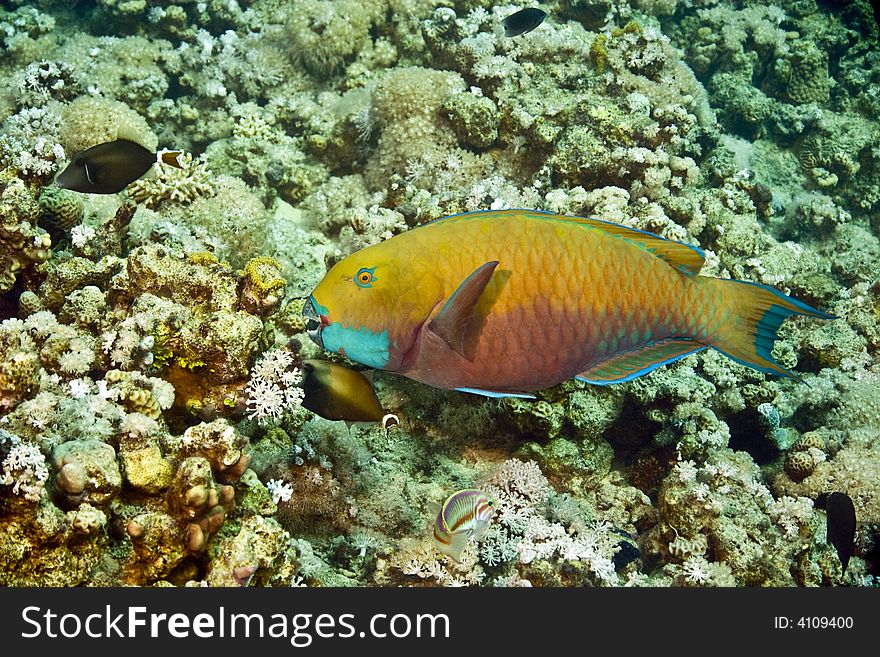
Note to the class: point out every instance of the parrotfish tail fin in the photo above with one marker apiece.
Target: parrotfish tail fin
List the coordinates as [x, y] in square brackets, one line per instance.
[172, 158]
[755, 314]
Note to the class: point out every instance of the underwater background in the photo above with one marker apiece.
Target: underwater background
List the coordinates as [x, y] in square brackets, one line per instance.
[152, 431]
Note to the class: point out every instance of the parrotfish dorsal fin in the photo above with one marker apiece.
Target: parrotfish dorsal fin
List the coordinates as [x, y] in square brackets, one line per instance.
[684, 257]
[455, 323]
[633, 364]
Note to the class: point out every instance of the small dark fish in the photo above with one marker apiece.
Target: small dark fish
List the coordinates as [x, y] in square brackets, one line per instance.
[525, 20]
[336, 392]
[841, 525]
[627, 553]
[110, 167]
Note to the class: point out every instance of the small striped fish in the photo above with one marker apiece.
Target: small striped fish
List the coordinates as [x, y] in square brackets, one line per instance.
[464, 515]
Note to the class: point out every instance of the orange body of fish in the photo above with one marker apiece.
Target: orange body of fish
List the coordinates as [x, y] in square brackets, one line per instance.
[507, 302]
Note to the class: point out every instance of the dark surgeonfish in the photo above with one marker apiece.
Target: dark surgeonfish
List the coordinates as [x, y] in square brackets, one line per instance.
[110, 167]
[522, 21]
[336, 392]
[841, 532]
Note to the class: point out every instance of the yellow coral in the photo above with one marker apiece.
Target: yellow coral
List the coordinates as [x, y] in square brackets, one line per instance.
[189, 363]
[202, 258]
[263, 287]
[599, 52]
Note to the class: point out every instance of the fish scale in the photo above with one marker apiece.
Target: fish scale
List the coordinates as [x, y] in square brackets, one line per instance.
[506, 302]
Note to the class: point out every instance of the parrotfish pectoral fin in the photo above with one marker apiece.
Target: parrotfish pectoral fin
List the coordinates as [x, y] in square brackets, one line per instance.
[456, 322]
[496, 395]
[756, 312]
[634, 364]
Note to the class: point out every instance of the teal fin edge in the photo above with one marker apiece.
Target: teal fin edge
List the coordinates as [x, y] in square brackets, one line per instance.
[646, 370]
[496, 395]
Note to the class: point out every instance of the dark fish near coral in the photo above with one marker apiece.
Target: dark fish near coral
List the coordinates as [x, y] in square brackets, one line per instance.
[525, 20]
[841, 522]
[336, 392]
[627, 553]
[110, 167]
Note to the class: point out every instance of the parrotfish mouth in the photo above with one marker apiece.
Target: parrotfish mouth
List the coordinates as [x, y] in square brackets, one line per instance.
[314, 322]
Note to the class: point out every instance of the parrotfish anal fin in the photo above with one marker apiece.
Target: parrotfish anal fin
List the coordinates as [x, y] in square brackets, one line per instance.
[496, 395]
[684, 257]
[457, 323]
[634, 364]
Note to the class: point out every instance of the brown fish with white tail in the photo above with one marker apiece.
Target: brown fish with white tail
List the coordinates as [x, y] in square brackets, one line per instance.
[110, 167]
[336, 392]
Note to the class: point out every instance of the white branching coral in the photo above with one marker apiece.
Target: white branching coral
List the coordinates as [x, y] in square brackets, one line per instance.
[45, 80]
[280, 490]
[81, 235]
[274, 386]
[170, 184]
[697, 570]
[23, 468]
[522, 533]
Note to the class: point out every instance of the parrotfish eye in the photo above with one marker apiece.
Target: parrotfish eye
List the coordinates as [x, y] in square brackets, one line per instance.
[364, 277]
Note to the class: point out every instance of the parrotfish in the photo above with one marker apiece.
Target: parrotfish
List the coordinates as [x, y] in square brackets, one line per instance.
[336, 392]
[110, 167]
[522, 21]
[464, 515]
[502, 303]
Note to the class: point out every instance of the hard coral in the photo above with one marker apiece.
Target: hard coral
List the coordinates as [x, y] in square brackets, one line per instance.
[406, 111]
[172, 185]
[323, 35]
[808, 73]
[22, 243]
[90, 120]
[262, 289]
